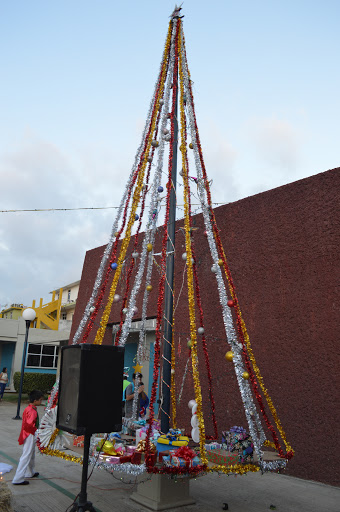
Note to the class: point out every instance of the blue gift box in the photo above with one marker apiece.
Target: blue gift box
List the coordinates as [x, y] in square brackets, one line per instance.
[164, 447]
[179, 462]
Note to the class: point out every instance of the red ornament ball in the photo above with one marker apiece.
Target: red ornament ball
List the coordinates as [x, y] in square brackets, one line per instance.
[231, 303]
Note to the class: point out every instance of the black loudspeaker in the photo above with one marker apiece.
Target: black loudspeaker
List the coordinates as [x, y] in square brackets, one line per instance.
[90, 389]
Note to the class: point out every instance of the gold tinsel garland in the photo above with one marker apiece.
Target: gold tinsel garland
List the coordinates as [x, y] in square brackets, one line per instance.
[61, 455]
[136, 198]
[190, 279]
[240, 469]
[53, 436]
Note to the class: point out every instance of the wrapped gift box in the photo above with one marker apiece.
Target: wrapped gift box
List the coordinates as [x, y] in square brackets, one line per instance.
[166, 459]
[78, 441]
[140, 435]
[119, 447]
[113, 460]
[238, 440]
[136, 458]
[222, 457]
[233, 436]
[213, 446]
[162, 455]
[179, 462]
[130, 449]
[104, 458]
[125, 458]
[151, 459]
[166, 443]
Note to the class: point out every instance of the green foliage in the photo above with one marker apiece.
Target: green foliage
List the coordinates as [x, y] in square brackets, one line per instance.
[42, 381]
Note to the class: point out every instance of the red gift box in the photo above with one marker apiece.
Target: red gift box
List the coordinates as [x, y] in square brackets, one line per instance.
[125, 458]
[151, 459]
[78, 441]
[222, 457]
[136, 458]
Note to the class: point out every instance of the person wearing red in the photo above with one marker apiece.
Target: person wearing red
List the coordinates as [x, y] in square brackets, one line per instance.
[30, 423]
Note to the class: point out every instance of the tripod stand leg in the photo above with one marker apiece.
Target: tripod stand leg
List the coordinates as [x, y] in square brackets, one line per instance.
[82, 504]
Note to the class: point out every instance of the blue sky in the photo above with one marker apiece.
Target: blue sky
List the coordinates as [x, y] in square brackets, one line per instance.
[77, 79]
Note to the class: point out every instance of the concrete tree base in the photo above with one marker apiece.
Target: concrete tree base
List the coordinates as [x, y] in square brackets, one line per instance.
[162, 492]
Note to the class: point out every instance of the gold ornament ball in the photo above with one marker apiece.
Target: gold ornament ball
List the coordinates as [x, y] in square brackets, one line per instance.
[149, 247]
[189, 345]
[245, 375]
[116, 233]
[220, 262]
[149, 288]
[229, 356]
[191, 146]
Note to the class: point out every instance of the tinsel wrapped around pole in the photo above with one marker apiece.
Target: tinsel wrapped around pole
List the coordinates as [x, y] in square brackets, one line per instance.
[170, 258]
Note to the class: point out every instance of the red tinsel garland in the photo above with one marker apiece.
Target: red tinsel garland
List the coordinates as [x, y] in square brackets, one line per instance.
[200, 309]
[194, 470]
[217, 236]
[114, 250]
[132, 262]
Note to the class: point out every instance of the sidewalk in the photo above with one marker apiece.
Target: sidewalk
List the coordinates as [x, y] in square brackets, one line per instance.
[59, 483]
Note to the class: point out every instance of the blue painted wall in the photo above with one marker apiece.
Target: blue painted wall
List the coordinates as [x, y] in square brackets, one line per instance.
[7, 354]
[130, 357]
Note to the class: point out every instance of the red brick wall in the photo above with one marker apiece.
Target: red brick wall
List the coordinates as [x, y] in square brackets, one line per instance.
[283, 251]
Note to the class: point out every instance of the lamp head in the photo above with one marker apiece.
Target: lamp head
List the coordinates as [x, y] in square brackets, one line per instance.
[29, 314]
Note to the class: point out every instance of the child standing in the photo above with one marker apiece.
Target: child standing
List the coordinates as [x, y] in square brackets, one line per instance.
[30, 423]
[3, 381]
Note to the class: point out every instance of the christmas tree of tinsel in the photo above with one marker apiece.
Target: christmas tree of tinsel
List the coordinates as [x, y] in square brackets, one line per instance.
[145, 182]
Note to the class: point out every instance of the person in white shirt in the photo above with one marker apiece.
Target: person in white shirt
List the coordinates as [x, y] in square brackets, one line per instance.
[3, 381]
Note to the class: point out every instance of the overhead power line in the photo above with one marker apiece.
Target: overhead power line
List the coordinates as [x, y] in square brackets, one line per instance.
[85, 208]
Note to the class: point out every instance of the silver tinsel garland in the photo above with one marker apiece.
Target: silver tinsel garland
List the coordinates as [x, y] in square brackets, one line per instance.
[256, 432]
[150, 231]
[108, 248]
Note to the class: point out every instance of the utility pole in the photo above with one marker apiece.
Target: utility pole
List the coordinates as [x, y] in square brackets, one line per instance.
[170, 257]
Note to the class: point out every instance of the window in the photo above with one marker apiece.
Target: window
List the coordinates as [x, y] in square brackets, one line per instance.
[64, 316]
[69, 296]
[42, 356]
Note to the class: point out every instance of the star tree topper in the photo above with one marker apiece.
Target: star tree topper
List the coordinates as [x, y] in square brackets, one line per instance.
[176, 13]
[137, 368]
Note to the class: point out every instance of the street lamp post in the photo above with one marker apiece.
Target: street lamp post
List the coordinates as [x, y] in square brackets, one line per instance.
[28, 315]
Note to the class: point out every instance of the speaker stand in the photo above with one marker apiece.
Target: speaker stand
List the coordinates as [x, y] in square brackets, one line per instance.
[83, 505]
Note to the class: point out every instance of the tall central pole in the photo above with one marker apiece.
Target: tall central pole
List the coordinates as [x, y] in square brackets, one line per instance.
[170, 251]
